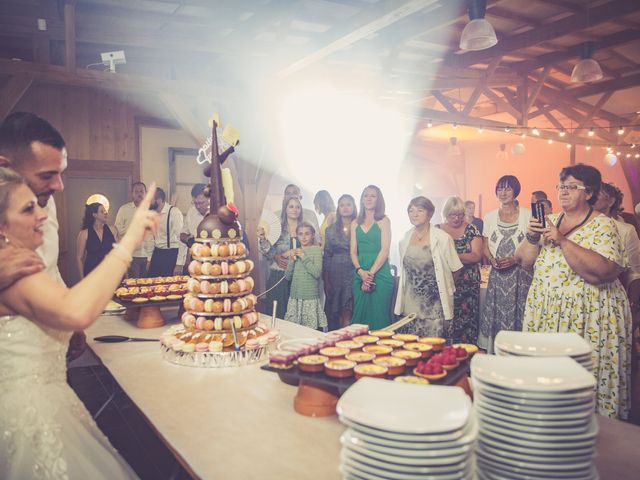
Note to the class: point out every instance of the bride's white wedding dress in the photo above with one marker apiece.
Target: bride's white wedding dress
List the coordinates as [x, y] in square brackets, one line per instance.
[45, 430]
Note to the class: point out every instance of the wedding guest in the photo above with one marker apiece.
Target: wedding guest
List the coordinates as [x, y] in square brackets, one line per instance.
[163, 260]
[577, 259]
[95, 240]
[124, 216]
[538, 196]
[428, 260]
[469, 215]
[304, 271]
[338, 271]
[39, 411]
[324, 206]
[468, 241]
[508, 283]
[279, 254]
[370, 241]
[195, 214]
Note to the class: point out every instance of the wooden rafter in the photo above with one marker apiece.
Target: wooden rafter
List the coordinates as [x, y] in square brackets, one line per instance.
[13, 91]
[178, 108]
[444, 101]
[596, 108]
[389, 17]
[477, 91]
[70, 34]
[565, 26]
[536, 89]
[606, 86]
[502, 103]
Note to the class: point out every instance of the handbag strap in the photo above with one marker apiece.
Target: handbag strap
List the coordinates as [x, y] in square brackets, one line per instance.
[169, 231]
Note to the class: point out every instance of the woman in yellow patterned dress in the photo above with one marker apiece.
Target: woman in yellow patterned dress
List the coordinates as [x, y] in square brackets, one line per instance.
[577, 259]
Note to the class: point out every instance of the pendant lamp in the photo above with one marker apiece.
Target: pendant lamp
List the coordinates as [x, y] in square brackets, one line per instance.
[478, 34]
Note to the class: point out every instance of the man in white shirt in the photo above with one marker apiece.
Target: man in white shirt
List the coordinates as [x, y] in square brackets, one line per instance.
[166, 242]
[138, 268]
[196, 213]
[36, 150]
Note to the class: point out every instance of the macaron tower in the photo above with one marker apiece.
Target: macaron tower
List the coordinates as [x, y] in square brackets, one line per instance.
[219, 306]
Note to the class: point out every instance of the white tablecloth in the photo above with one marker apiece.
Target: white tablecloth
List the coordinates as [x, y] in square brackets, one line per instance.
[223, 423]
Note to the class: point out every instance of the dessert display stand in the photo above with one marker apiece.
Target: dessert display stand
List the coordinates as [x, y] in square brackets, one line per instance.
[147, 315]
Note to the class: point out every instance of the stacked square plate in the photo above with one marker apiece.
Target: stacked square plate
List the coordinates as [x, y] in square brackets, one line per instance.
[536, 418]
[402, 431]
[532, 344]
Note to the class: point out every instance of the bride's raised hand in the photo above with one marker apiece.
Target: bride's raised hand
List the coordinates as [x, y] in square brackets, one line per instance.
[143, 221]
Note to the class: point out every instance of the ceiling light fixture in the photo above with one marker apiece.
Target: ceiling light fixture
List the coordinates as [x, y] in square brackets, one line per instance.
[507, 129]
[588, 147]
[429, 124]
[587, 69]
[478, 34]
[454, 148]
[480, 129]
[562, 132]
[535, 131]
[591, 132]
[549, 141]
[620, 130]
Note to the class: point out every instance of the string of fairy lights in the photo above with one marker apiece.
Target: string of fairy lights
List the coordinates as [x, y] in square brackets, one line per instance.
[568, 136]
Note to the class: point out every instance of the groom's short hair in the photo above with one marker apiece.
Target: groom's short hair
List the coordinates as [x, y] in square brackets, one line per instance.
[19, 130]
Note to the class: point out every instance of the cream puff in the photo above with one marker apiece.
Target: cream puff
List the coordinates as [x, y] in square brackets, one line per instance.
[205, 268]
[223, 250]
[208, 325]
[216, 270]
[205, 287]
[194, 268]
[241, 266]
[234, 288]
[208, 305]
[213, 250]
[241, 249]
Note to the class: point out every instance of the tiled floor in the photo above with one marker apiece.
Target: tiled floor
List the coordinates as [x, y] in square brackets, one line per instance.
[124, 425]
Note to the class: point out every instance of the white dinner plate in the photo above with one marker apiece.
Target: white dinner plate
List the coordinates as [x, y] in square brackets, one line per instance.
[534, 440]
[555, 409]
[469, 435]
[405, 408]
[364, 462]
[542, 375]
[357, 439]
[540, 428]
[446, 462]
[559, 397]
[403, 437]
[499, 452]
[371, 473]
[536, 344]
[553, 402]
[563, 418]
[532, 466]
[496, 473]
[424, 457]
[551, 452]
[551, 470]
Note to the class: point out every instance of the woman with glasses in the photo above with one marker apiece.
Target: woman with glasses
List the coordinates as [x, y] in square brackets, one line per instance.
[468, 241]
[577, 258]
[509, 283]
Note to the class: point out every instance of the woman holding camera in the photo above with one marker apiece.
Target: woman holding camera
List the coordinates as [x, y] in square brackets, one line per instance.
[577, 258]
[509, 283]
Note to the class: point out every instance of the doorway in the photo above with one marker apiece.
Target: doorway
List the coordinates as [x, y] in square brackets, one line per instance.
[77, 189]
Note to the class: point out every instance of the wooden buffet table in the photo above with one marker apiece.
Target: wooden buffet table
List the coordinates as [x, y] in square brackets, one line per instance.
[239, 422]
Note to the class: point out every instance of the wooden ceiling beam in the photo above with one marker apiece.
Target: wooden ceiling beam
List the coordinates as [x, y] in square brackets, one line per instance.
[393, 13]
[565, 26]
[605, 86]
[70, 35]
[477, 91]
[610, 41]
[536, 90]
[596, 108]
[177, 106]
[13, 91]
[503, 104]
[445, 102]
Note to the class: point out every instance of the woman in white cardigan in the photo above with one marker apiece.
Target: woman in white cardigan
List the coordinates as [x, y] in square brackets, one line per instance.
[428, 260]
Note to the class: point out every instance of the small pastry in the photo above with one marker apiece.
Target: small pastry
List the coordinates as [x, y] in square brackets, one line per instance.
[194, 268]
[224, 287]
[251, 344]
[206, 268]
[226, 324]
[205, 251]
[227, 340]
[188, 348]
[216, 270]
[233, 249]
[196, 250]
[208, 325]
[236, 306]
[263, 341]
[233, 269]
[213, 250]
[215, 346]
[242, 285]
[208, 306]
[200, 323]
[241, 266]
[205, 287]
[237, 322]
[202, 347]
[217, 307]
[217, 323]
[240, 249]
[234, 288]
[189, 321]
[250, 283]
[224, 267]
[214, 289]
[177, 345]
[223, 251]
[249, 264]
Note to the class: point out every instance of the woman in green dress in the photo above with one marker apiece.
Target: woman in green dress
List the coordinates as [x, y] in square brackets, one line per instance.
[370, 242]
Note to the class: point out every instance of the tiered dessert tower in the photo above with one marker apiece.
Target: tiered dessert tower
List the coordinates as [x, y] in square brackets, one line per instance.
[220, 316]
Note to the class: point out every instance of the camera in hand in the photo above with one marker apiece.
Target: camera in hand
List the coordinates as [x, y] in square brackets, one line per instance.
[537, 210]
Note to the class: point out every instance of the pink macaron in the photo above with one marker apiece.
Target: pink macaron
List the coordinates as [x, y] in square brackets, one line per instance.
[226, 305]
[225, 268]
[202, 347]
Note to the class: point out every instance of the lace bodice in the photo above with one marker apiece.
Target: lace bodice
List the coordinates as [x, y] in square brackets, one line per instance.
[30, 352]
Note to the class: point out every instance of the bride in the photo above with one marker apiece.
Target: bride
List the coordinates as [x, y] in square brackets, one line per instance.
[46, 432]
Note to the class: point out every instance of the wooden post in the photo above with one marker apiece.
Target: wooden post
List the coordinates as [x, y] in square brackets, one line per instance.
[70, 34]
[572, 155]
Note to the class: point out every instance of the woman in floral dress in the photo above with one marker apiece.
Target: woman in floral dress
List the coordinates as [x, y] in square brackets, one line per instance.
[468, 241]
[577, 259]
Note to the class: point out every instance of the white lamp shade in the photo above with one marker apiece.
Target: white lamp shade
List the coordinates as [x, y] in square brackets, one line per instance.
[478, 34]
[586, 70]
[517, 149]
[610, 159]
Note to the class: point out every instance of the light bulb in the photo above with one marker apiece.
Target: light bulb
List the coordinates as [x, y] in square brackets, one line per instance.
[480, 129]
[429, 124]
[637, 155]
[535, 131]
[549, 141]
[507, 129]
[562, 133]
[628, 155]
[455, 125]
[587, 148]
[568, 145]
[523, 135]
[633, 145]
[620, 131]
[591, 133]
[618, 153]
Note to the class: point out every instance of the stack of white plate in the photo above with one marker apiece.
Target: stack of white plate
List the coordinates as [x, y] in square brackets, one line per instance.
[536, 418]
[403, 431]
[532, 344]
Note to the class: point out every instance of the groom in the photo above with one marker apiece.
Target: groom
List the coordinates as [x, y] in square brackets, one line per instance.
[35, 149]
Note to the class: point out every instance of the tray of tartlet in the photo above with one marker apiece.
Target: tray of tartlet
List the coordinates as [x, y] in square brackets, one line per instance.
[390, 342]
